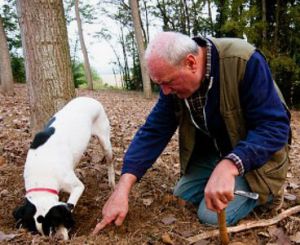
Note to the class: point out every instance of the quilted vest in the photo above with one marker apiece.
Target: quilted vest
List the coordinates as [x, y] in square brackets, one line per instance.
[233, 57]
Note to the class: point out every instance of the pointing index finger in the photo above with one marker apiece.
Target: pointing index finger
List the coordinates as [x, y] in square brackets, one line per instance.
[100, 226]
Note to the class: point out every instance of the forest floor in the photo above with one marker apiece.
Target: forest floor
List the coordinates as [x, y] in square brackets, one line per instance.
[154, 216]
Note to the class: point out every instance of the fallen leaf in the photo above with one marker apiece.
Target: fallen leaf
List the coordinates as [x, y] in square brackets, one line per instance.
[168, 198]
[186, 234]
[4, 193]
[2, 160]
[264, 234]
[168, 220]
[166, 239]
[290, 197]
[4, 237]
[202, 242]
[147, 201]
[293, 185]
[282, 238]
[296, 237]
[181, 202]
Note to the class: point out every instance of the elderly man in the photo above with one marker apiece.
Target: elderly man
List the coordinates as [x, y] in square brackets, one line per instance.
[233, 127]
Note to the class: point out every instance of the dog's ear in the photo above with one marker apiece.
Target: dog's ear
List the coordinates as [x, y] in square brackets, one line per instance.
[24, 216]
[60, 215]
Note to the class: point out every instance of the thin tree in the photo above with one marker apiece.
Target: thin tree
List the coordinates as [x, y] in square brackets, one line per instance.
[6, 76]
[47, 58]
[87, 67]
[141, 48]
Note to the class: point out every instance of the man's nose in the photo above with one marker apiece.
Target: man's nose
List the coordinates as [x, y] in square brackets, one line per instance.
[166, 89]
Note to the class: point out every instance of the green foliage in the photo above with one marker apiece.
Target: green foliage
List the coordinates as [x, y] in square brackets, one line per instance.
[11, 27]
[79, 75]
[18, 69]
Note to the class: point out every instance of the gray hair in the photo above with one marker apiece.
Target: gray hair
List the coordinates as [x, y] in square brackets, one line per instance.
[172, 47]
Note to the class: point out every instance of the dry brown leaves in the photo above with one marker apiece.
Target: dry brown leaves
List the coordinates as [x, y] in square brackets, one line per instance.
[153, 212]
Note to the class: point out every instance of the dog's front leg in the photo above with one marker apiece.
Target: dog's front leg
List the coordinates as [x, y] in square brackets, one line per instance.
[75, 187]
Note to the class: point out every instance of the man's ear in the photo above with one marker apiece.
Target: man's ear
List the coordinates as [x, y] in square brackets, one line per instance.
[191, 62]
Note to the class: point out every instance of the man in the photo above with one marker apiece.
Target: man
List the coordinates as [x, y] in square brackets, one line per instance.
[233, 127]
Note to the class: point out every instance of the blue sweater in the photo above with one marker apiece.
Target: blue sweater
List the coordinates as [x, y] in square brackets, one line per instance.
[267, 122]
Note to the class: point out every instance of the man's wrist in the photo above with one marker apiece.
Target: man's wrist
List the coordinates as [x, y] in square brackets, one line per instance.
[237, 162]
[126, 182]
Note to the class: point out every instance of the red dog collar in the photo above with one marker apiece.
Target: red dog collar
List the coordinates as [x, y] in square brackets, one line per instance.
[43, 189]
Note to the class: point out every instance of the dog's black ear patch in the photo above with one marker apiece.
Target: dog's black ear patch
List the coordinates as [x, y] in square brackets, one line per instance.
[42, 137]
[56, 216]
[24, 216]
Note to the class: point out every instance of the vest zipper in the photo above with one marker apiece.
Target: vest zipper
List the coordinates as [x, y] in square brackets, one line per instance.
[204, 116]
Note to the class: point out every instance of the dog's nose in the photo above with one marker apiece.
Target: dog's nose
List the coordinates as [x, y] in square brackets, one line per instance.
[62, 233]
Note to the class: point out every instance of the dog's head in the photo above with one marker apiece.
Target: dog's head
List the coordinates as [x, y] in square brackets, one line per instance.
[29, 217]
[57, 217]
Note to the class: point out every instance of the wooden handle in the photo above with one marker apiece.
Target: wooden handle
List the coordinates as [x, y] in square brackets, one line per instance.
[222, 227]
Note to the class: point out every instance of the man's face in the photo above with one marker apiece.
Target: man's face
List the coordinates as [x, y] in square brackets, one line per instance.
[182, 80]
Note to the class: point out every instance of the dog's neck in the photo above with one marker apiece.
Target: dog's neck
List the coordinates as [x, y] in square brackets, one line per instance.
[43, 201]
[42, 189]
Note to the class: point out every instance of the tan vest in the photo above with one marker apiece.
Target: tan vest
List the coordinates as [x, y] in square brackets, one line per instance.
[233, 57]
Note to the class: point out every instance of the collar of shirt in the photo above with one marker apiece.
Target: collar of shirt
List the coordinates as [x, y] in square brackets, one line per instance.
[196, 102]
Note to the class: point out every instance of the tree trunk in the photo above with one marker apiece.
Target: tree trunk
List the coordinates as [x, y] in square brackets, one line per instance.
[87, 67]
[47, 58]
[187, 17]
[277, 27]
[211, 23]
[6, 77]
[141, 48]
[264, 20]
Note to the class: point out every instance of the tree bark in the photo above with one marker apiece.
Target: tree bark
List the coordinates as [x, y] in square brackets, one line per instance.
[277, 26]
[141, 48]
[47, 58]
[6, 76]
[264, 20]
[87, 67]
[211, 23]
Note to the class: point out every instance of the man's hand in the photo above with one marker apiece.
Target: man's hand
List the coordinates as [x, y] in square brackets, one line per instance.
[116, 207]
[220, 186]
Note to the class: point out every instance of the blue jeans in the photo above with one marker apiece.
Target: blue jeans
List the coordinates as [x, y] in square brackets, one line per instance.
[191, 187]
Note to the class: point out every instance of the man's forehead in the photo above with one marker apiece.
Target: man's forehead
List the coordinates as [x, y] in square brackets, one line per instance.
[158, 67]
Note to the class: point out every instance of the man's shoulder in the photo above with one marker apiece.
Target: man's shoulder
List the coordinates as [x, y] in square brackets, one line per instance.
[233, 47]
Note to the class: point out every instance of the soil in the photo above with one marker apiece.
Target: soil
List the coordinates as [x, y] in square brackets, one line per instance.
[155, 216]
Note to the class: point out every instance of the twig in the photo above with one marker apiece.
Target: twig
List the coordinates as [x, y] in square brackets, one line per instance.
[246, 226]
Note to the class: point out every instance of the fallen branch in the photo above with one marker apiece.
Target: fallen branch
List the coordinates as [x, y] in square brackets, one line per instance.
[246, 226]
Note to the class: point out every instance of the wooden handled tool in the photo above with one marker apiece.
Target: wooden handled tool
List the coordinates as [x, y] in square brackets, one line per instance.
[222, 216]
[223, 228]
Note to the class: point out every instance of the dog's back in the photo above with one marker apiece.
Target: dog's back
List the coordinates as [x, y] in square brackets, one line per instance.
[59, 147]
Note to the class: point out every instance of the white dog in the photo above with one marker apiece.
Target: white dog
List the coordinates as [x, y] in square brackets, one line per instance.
[51, 160]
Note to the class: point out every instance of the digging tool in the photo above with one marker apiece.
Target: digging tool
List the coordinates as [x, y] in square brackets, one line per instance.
[222, 216]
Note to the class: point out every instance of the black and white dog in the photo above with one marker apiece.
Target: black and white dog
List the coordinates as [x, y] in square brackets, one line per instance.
[51, 160]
